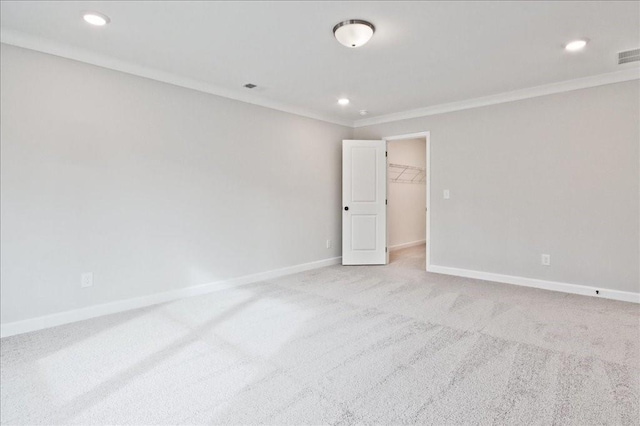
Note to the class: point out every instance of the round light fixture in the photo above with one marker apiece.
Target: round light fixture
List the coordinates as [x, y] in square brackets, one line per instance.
[576, 45]
[343, 101]
[96, 18]
[354, 32]
[364, 112]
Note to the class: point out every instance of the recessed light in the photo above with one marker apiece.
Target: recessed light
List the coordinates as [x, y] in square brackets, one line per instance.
[343, 101]
[96, 18]
[364, 112]
[576, 45]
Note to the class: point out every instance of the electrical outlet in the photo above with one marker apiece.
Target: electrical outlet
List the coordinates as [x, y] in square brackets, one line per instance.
[546, 259]
[86, 279]
[446, 194]
[329, 244]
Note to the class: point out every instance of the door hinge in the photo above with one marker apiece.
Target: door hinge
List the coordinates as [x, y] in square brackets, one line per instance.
[386, 202]
[386, 154]
[385, 249]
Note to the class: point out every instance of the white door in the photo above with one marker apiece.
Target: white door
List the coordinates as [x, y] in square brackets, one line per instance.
[364, 210]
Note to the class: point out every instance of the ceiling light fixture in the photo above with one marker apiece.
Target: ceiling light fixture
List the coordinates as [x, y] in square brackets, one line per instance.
[96, 18]
[343, 101]
[364, 112]
[354, 32]
[576, 45]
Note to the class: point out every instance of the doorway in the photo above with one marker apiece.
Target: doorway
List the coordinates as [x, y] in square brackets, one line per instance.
[408, 199]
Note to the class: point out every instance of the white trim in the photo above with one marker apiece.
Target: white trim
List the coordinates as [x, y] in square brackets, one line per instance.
[516, 95]
[48, 321]
[427, 136]
[605, 293]
[428, 206]
[386, 202]
[26, 41]
[407, 245]
[407, 136]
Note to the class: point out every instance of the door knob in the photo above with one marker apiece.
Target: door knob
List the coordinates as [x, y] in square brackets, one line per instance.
[346, 208]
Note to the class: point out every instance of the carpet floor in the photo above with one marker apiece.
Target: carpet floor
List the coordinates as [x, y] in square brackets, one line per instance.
[338, 345]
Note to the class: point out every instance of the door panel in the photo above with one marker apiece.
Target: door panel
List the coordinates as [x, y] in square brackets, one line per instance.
[364, 191]
[363, 232]
[363, 174]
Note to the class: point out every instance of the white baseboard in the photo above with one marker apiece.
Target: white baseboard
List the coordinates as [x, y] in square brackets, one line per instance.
[407, 245]
[584, 290]
[48, 321]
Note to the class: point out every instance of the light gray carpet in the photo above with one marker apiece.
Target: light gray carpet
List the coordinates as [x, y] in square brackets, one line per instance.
[339, 345]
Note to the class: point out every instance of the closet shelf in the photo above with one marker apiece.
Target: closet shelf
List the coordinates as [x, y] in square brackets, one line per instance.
[402, 173]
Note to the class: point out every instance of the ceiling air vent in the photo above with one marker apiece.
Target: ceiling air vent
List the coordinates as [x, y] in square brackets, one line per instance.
[629, 56]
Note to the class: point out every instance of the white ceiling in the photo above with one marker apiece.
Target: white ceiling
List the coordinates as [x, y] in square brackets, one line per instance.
[422, 54]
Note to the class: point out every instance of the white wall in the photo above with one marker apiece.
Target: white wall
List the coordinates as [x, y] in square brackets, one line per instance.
[556, 174]
[150, 186]
[406, 215]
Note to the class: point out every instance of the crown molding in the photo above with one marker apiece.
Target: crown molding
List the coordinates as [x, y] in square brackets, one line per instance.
[516, 95]
[27, 41]
[19, 39]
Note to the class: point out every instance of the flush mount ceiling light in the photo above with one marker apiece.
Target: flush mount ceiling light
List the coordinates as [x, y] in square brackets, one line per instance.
[343, 101]
[96, 18]
[364, 112]
[354, 32]
[576, 45]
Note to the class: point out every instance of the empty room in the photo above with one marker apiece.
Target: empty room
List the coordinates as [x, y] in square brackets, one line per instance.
[319, 212]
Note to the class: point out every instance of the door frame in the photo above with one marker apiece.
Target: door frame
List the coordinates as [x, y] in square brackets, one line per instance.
[427, 136]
